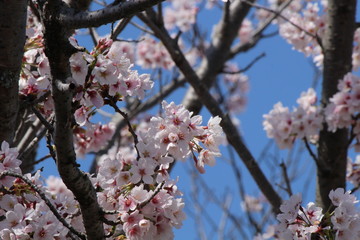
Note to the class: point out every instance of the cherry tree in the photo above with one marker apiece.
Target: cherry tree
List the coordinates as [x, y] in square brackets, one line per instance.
[53, 91]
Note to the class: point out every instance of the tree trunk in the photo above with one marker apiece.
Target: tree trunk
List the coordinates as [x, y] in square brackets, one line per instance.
[337, 47]
[12, 31]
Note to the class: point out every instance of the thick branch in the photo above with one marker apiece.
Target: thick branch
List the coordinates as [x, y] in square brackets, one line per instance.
[337, 45]
[58, 50]
[85, 19]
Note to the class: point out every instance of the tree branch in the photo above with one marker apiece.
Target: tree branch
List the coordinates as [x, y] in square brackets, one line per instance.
[85, 19]
[223, 36]
[58, 50]
[211, 104]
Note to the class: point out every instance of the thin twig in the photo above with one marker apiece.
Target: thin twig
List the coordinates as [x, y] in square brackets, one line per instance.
[241, 189]
[49, 127]
[94, 35]
[248, 66]
[224, 217]
[157, 190]
[311, 151]
[101, 3]
[112, 103]
[119, 27]
[286, 178]
[354, 189]
[258, 33]
[141, 28]
[45, 199]
[38, 161]
[50, 146]
[236, 221]
[26, 102]
[32, 144]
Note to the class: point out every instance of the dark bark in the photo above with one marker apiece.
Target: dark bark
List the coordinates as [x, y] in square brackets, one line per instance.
[12, 31]
[337, 47]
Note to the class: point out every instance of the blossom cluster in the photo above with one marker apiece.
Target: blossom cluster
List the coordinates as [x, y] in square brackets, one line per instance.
[297, 222]
[246, 31]
[92, 138]
[353, 171]
[344, 107]
[127, 186]
[152, 54]
[24, 214]
[304, 27]
[35, 73]
[180, 14]
[111, 75]
[133, 186]
[107, 71]
[8, 161]
[111, 72]
[252, 204]
[179, 134]
[305, 121]
[136, 183]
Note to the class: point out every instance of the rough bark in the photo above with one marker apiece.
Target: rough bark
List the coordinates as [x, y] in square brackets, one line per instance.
[12, 32]
[337, 49]
[58, 50]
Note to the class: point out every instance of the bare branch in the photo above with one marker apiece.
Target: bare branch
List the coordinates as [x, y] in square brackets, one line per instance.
[120, 27]
[286, 178]
[94, 35]
[111, 13]
[112, 103]
[42, 119]
[224, 34]
[248, 66]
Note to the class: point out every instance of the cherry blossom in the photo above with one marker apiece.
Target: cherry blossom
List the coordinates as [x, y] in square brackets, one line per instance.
[181, 14]
[297, 222]
[304, 122]
[152, 54]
